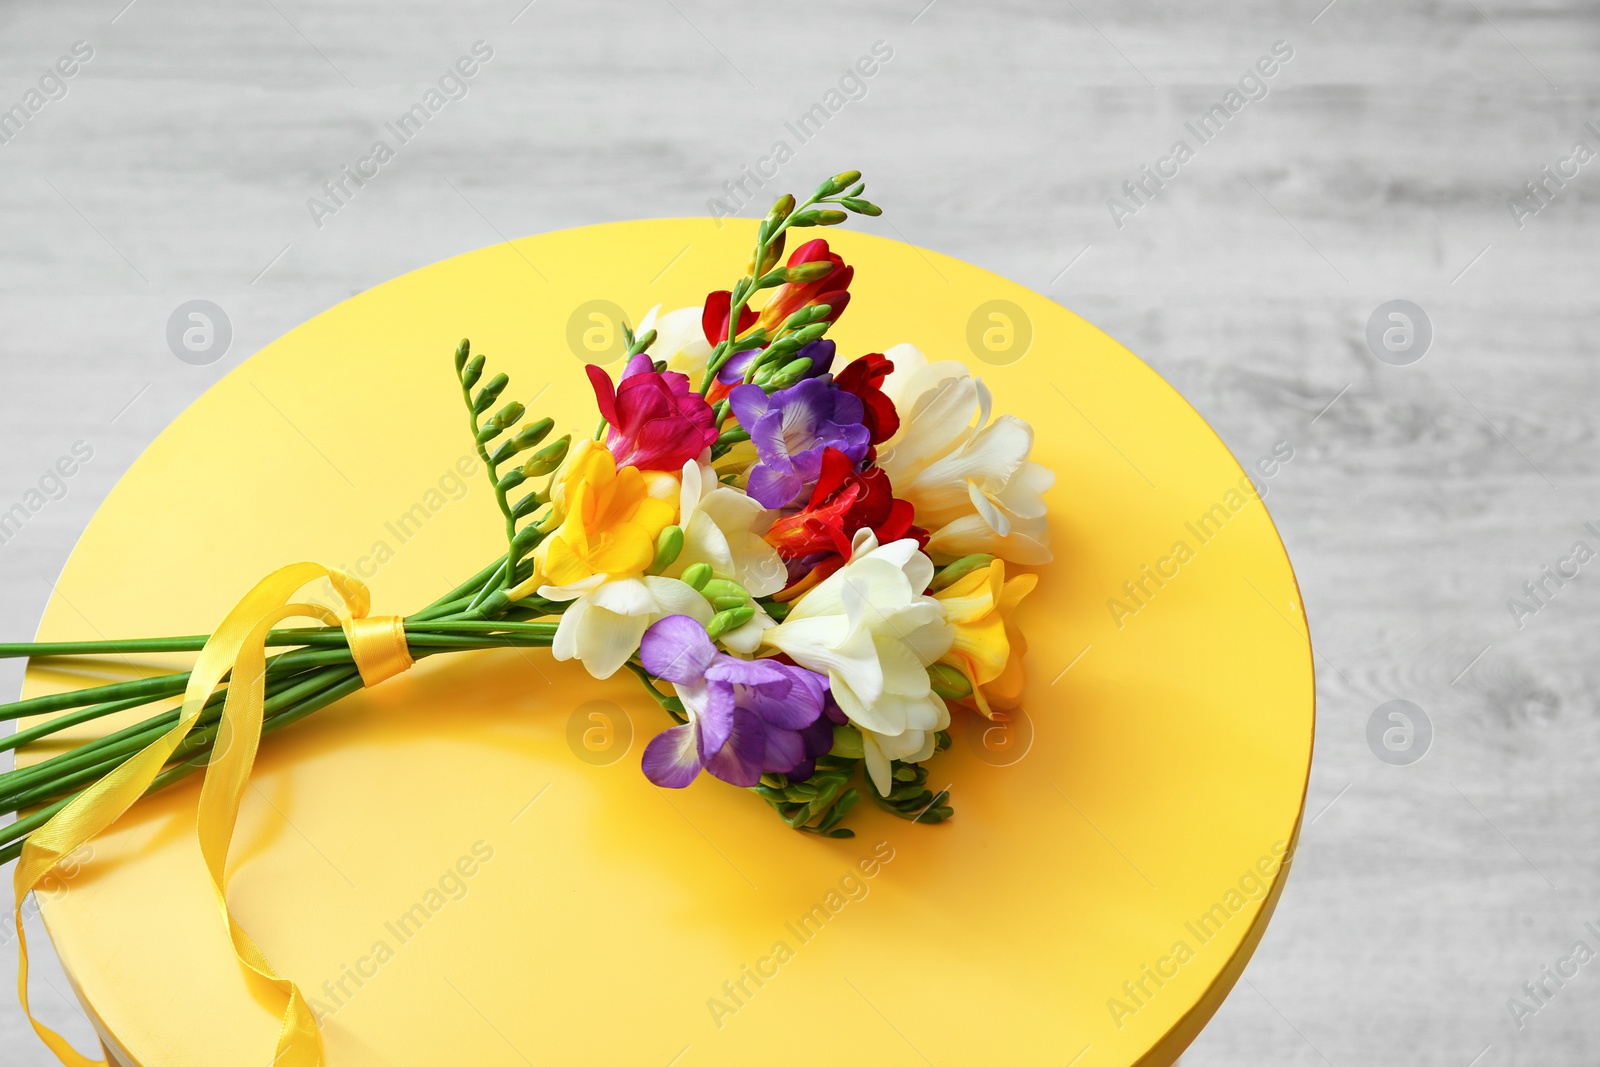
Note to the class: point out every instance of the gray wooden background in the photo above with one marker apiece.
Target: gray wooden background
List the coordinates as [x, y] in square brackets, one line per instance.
[1378, 166]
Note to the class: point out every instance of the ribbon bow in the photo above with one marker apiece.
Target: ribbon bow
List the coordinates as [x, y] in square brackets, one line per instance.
[238, 649]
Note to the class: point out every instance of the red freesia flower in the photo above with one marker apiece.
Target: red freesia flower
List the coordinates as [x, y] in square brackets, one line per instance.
[845, 500]
[864, 378]
[832, 288]
[657, 423]
[714, 319]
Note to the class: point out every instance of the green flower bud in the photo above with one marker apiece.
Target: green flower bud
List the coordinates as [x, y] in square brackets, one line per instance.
[731, 619]
[806, 334]
[808, 272]
[527, 539]
[510, 480]
[847, 743]
[769, 259]
[790, 373]
[527, 506]
[490, 393]
[722, 587]
[862, 207]
[668, 547]
[844, 179]
[547, 458]
[696, 575]
[782, 207]
[472, 372]
[508, 415]
[462, 350]
[954, 572]
[949, 682]
[643, 341]
[532, 433]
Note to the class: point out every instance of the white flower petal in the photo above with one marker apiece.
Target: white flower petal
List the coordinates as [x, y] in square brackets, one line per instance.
[624, 596]
[670, 596]
[606, 640]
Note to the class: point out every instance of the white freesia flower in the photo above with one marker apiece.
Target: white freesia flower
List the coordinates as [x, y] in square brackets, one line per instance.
[607, 618]
[970, 479]
[723, 528]
[680, 340]
[871, 630]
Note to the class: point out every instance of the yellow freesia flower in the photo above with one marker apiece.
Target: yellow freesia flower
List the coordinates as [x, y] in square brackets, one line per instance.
[988, 649]
[610, 520]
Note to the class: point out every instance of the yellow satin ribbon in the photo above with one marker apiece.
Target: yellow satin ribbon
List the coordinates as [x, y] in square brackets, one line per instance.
[238, 647]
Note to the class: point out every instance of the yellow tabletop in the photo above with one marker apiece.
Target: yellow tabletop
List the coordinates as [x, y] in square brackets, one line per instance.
[465, 864]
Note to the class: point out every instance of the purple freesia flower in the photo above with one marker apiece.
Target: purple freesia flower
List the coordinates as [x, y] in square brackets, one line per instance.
[791, 429]
[746, 717]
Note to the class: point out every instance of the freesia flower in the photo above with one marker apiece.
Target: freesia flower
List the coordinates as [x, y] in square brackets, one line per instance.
[746, 717]
[608, 616]
[679, 340]
[609, 525]
[817, 538]
[832, 289]
[791, 429]
[969, 479]
[869, 627]
[723, 528]
[988, 648]
[657, 423]
[863, 378]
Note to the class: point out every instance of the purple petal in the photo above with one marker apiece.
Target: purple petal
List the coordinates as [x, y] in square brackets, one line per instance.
[773, 488]
[738, 762]
[672, 759]
[788, 708]
[847, 409]
[748, 671]
[784, 750]
[638, 365]
[820, 353]
[817, 739]
[749, 403]
[715, 719]
[733, 370]
[677, 649]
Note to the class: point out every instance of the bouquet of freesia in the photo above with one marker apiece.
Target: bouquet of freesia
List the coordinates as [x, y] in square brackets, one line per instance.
[802, 557]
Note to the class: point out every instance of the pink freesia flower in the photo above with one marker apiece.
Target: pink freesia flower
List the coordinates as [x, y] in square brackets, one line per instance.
[657, 423]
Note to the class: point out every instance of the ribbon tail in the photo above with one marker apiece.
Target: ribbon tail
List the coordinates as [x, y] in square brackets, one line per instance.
[379, 649]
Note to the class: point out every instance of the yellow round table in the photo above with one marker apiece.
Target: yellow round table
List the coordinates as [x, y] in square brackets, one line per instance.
[465, 864]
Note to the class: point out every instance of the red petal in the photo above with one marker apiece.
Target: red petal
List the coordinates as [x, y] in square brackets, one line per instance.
[605, 393]
[714, 319]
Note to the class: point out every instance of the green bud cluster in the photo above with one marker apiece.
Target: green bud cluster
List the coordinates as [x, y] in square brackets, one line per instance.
[909, 798]
[818, 804]
[544, 461]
